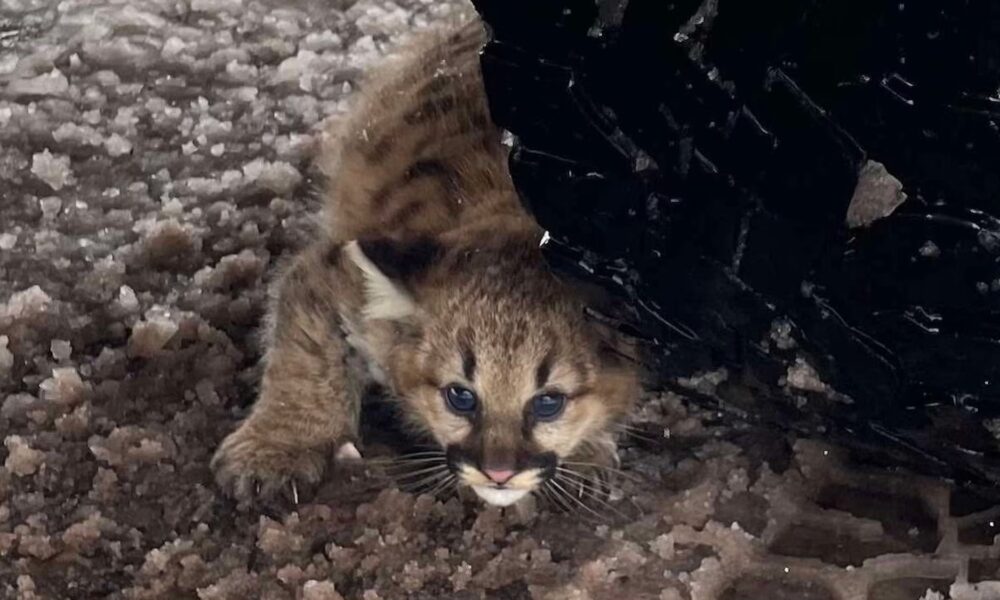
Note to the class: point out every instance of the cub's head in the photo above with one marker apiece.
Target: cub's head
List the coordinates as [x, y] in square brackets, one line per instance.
[495, 360]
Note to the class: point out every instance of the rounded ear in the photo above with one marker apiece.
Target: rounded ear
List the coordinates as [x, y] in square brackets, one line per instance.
[391, 270]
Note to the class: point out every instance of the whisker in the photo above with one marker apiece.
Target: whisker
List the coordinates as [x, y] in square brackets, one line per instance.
[420, 459]
[638, 434]
[595, 488]
[420, 465]
[423, 483]
[406, 457]
[582, 505]
[410, 474]
[427, 484]
[554, 497]
[425, 453]
[625, 474]
[627, 426]
[605, 504]
[588, 496]
[423, 471]
[445, 483]
[582, 480]
[592, 497]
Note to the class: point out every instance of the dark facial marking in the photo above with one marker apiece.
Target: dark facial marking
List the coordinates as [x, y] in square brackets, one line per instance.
[544, 370]
[471, 453]
[468, 362]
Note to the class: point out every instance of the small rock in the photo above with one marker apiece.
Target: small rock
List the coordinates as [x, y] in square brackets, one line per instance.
[50, 206]
[61, 349]
[127, 299]
[22, 459]
[53, 83]
[150, 336]
[64, 387]
[53, 169]
[117, 145]
[25, 304]
[6, 356]
[320, 590]
[876, 195]
[278, 177]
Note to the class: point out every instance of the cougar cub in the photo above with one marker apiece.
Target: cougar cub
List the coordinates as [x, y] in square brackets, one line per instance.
[429, 280]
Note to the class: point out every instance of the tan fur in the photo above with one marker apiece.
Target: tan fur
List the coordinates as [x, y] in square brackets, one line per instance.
[428, 265]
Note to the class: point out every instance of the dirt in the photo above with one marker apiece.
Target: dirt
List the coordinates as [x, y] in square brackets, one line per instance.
[155, 165]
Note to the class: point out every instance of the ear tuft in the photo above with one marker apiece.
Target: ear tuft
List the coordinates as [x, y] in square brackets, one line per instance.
[390, 269]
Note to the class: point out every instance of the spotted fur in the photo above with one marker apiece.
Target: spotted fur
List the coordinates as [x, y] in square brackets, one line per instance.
[428, 274]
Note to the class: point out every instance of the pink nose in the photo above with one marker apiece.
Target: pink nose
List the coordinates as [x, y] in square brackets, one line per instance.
[499, 475]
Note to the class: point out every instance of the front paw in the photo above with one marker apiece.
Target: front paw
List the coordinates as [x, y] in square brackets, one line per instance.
[251, 466]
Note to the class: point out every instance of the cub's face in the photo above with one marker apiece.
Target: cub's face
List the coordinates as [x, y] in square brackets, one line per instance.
[501, 368]
[511, 390]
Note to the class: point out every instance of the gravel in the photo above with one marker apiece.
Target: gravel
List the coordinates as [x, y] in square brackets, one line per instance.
[155, 158]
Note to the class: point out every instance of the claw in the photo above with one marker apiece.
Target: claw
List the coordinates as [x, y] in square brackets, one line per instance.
[348, 452]
[295, 493]
[256, 488]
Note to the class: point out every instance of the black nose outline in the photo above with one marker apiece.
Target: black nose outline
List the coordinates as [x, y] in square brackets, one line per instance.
[546, 462]
[454, 457]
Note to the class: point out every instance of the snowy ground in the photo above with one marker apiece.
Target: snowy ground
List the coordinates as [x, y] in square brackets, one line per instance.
[154, 165]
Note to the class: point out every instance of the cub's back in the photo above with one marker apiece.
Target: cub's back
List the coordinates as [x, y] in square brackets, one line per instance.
[419, 154]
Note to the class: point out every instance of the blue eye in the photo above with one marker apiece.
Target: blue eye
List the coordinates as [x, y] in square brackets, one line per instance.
[460, 400]
[548, 406]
